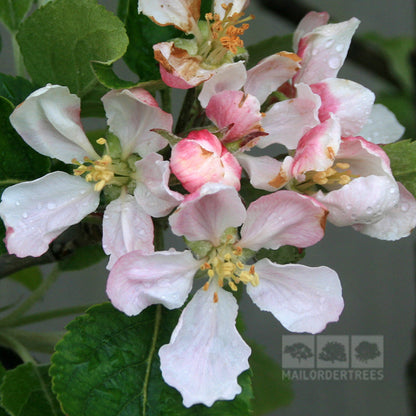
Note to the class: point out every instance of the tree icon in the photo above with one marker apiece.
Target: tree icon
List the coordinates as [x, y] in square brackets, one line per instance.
[333, 351]
[299, 351]
[367, 351]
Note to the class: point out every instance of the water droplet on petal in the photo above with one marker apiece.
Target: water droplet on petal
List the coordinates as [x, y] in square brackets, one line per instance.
[392, 190]
[51, 205]
[339, 48]
[17, 203]
[348, 207]
[369, 210]
[404, 207]
[314, 52]
[82, 192]
[329, 43]
[25, 215]
[334, 62]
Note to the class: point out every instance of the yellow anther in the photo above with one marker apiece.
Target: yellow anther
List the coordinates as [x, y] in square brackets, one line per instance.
[240, 265]
[238, 251]
[252, 270]
[220, 282]
[330, 172]
[211, 273]
[101, 141]
[215, 297]
[206, 286]
[232, 286]
[342, 165]
[99, 185]
[344, 179]
[227, 257]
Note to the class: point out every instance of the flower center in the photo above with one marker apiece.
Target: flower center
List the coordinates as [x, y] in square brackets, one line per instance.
[224, 264]
[338, 174]
[102, 171]
[223, 35]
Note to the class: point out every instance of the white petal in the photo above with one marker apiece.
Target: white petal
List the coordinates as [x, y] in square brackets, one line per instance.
[382, 126]
[396, 223]
[262, 170]
[228, 77]
[181, 13]
[49, 121]
[126, 228]
[208, 213]
[270, 73]
[131, 115]
[206, 353]
[238, 6]
[139, 280]
[152, 192]
[303, 299]
[281, 218]
[287, 121]
[311, 21]
[37, 212]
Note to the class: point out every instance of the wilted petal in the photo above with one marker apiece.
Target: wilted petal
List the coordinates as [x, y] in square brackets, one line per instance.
[36, 212]
[206, 353]
[238, 6]
[396, 223]
[228, 77]
[382, 126]
[139, 280]
[49, 121]
[323, 51]
[303, 299]
[236, 109]
[152, 186]
[317, 148]
[281, 218]
[181, 13]
[270, 73]
[287, 121]
[126, 228]
[311, 21]
[262, 171]
[363, 200]
[131, 115]
[350, 102]
[208, 214]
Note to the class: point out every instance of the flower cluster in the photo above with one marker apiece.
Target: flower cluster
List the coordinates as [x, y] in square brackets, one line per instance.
[333, 168]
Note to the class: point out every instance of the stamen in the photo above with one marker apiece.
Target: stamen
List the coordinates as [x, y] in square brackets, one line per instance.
[215, 297]
[206, 286]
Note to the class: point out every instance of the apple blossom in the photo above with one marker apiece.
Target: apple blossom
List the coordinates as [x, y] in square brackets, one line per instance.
[49, 120]
[206, 353]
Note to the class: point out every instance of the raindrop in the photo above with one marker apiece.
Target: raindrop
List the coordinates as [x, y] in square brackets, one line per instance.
[105, 217]
[147, 284]
[25, 215]
[82, 192]
[329, 43]
[376, 134]
[334, 63]
[392, 190]
[314, 52]
[339, 48]
[17, 203]
[348, 207]
[404, 207]
[369, 210]
[51, 205]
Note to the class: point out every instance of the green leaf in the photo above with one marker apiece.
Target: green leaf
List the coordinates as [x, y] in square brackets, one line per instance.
[107, 364]
[31, 277]
[270, 390]
[12, 12]
[107, 77]
[83, 257]
[2, 374]
[58, 42]
[15, 89]
[26, 391]
[283, 255]
[402, 156]
[143, 34]
[22, 162]
[397, 53]
[3, 249]
[268, 47]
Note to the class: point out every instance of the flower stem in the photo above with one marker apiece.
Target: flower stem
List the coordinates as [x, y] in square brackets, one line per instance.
[186, 110]
[166, 96]
[32, 299]
[10, 342]
[19, 65]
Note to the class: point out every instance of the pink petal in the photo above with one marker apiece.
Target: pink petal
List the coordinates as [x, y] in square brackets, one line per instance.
[206, 353]
[323, 51]
[181, 69]
[132, 114]
[262, 170]
[350, 102]
[270, 73]
[181, 13]
[202, 158]
[283, 218]
[396, 223]
[228, 77]
[236, 109]
[311, 21]
[382, 126]
[364, 200]
[139, 280]
[152, 186]
[287, 121]
[36, 212]
[49, 121]
[126, 228]
[317, 148]
[208, 214]
[303, 299]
